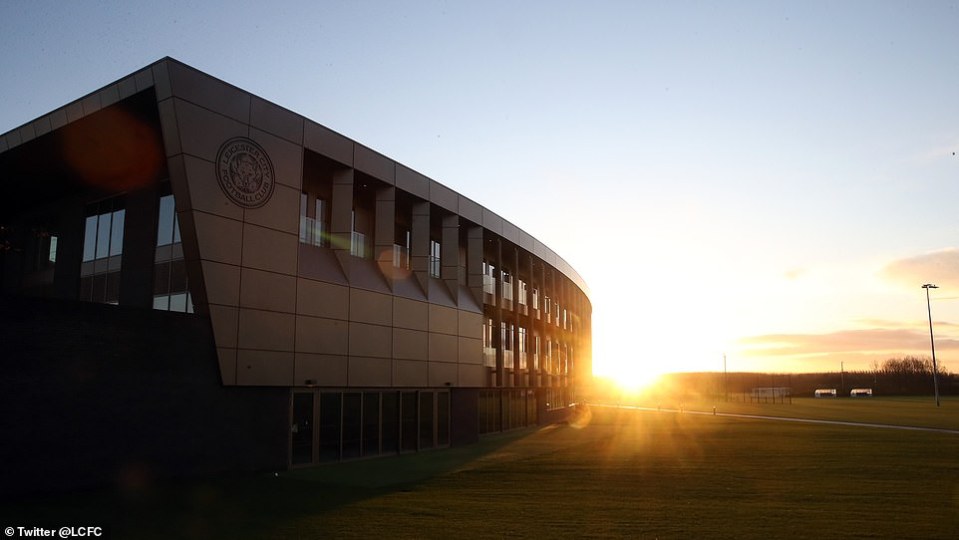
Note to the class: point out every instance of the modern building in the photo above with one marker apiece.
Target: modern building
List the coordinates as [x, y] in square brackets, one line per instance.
[197, 280]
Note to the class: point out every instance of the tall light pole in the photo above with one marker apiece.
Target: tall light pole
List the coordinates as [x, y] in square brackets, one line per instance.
[932, 343]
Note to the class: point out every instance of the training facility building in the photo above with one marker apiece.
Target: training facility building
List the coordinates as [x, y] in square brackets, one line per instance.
[196, 280]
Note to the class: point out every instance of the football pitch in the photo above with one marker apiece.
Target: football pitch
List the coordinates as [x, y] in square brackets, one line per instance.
[615, 473]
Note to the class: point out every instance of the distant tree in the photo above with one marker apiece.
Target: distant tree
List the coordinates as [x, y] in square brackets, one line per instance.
[909, 374]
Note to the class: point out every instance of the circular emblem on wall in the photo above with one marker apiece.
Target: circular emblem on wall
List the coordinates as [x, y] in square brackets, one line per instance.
[244, 172]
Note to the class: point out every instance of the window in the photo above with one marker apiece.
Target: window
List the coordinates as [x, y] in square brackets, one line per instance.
[391, 425]
[426, 420]
[548, 359]
[401, 249]
[506, 338]
[357, 241]
[371, 423]
[168, 226]
[302, 429]
[443, 419]
[102, 252]
[522, 292]
[536, 348]
[489, 352]
[330, 426]
[507, 286]
[352, 427]
[489, 278]
[52, 251]
[313, 220]
[434, 258]
[522, 347]
[408, 421]
[170, 288]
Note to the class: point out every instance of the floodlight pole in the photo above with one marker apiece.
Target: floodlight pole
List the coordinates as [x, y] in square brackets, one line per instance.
[932, 343]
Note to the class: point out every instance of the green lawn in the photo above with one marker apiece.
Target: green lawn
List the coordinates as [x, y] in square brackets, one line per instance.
[901, 411]
[624, 474]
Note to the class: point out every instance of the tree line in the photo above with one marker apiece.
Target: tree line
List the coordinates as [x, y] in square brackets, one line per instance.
[908, 375]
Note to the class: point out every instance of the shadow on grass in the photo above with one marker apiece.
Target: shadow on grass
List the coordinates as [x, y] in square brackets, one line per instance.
[244, 505]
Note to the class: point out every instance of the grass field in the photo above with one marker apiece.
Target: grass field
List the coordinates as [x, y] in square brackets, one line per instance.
[901, 411]
[623, 474]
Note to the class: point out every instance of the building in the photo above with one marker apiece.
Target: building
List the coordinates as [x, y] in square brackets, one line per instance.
[197, 280]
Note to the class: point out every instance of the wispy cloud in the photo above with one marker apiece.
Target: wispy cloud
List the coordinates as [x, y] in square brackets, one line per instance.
[891, 324]
[795, 273]
[877, 340]
[936, 153]
[940, 267]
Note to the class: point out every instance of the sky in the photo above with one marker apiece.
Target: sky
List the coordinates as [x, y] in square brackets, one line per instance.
[769, 182]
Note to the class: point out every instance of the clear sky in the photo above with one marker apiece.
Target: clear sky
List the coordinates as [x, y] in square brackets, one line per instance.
[769, 180]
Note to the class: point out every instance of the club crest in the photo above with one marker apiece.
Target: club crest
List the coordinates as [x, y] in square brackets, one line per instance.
[245, 172]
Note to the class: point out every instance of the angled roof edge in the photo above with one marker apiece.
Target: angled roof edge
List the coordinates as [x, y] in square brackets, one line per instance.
[155, 75]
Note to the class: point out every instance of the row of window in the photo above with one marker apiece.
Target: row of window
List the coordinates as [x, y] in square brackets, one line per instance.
[330, 426]
[557, 356]
[501, 410]
[103, 249]
[101, 266]
[315, 219]
[554, 312]
[314, 231]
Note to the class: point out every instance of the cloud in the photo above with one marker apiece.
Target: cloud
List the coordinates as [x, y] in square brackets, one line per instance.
[937, 153]
[890, 324]
[795, 273]
[891, 341]
[939, 267]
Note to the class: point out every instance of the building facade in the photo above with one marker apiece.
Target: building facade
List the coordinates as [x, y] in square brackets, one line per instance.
[238, 287]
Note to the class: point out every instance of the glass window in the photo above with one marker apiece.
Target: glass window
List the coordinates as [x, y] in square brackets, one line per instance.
[103, 236]
[52, 253]
[536, 353]
[304, 223]
[390, 433]
[507, 286]
[312, 220]
[408, 428]
[302, 428]
[178, 302]
[426, 420]
[102, 248]
[90, 238]
[330, 426]
[170, 283]
[319, 222]
[358, 240]
[489, 279]
[352, 427]
[401, 249]
[434, 258]
[443, 419]
[116, 232]
[522, 347]
[489, 352]
[371, 423]
[166, 221]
